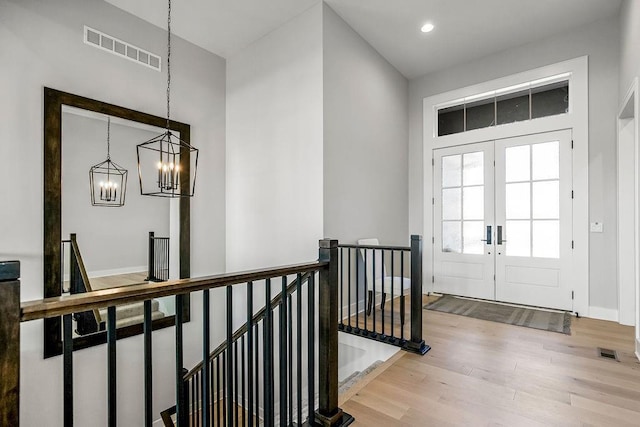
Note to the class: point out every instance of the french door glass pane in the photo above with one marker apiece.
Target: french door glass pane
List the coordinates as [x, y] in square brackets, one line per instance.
[451, 203]
[452, 171]
[472, 235]
[546, 160]
[518, 236]
[473, 202]
[451, 236]
[517, 162]
[473, 172]
[546, 239]
[546, 200]
[517, 200]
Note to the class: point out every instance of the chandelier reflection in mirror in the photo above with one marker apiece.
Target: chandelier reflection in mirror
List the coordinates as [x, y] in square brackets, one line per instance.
[167, 165]
[107, 179]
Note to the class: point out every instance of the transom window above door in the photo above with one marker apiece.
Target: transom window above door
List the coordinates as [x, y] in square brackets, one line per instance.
[527, 101]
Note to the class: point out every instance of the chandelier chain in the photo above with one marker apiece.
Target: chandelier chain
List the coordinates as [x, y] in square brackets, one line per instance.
[108, 138]
[168, 64]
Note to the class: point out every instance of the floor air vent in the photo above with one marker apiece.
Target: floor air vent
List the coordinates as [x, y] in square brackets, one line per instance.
[607, 353]
[123, 49]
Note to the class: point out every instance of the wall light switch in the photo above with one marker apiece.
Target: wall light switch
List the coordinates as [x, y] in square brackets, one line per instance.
[596, 227]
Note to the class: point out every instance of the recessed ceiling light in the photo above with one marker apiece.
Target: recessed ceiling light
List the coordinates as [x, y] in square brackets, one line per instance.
[427, 28]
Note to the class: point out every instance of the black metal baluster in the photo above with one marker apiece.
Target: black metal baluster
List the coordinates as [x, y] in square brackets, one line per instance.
[358, 291]
[229, 398]
[282, 353]
[349, 287]
[192, 401]
[181, 407]
[299, 347]
[236, 388]
[68, 369]
[206, 385]
[219, 391]
[402, 307]
[250, 350]
[211, 407]
[341, 287]
[148, 365]
[267, 358]
[257, 371]
[311, 367]
[366, 290]
[393, 332]
[373, 296]
[224, 388]
[243, 368]
[384, 295]
[290, 355]
[111, 367]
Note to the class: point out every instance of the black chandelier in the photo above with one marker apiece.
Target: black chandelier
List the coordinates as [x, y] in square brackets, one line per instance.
[107, 179]
[167, 165]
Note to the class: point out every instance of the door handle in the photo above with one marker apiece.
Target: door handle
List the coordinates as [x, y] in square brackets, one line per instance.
[488, 239]
[499, 237]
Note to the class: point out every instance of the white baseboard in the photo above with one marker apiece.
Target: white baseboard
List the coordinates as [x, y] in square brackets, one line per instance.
[603, 313]
[113, 272]
[116, 271]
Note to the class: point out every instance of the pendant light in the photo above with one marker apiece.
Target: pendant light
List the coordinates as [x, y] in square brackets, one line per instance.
[167, 165]
[108, 180]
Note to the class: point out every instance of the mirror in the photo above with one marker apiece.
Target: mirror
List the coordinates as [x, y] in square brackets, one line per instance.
[113, 243]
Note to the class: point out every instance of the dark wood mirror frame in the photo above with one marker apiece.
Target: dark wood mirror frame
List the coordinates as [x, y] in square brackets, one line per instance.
[53, 102]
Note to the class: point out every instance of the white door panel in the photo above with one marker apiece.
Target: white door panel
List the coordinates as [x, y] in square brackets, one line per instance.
[533, 211]
[463, 201]
[502, 220]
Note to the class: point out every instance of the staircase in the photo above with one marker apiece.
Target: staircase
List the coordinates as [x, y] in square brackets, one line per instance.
[132, 314]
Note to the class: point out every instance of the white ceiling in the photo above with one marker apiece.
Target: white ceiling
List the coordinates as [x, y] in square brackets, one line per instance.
[465, 29]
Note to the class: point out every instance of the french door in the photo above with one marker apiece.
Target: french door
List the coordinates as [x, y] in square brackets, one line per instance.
[503, 220]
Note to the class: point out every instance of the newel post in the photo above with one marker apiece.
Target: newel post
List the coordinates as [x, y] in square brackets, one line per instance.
[328, 413]
[417, 344]
[10, 343]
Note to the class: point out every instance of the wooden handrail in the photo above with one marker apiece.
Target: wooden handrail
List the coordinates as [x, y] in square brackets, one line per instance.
[58, 306]
[83, 273]
[378, 247]
[275, 302]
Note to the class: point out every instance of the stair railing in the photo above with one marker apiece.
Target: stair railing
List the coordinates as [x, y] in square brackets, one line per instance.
[87, 322]
[323, 359]
[375, 282]
[158, 258]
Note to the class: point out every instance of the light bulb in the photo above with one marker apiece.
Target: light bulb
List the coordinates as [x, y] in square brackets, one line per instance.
[115, 185]
[101, 184]
[427, 28]
[159, 165]
[164, 168]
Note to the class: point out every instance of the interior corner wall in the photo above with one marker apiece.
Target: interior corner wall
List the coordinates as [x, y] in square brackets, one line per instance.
[629, 45]
[365, 139]
[598, 40]
[274, 147]
[41, 44]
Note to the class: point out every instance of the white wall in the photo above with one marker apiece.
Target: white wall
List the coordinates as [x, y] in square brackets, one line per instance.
[599, 40]
[109, 238]
[41, 45]
[629, 45]
[274, 147]
[365, 139]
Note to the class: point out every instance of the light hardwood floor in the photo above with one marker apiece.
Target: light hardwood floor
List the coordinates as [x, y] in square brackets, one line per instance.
[487, 373]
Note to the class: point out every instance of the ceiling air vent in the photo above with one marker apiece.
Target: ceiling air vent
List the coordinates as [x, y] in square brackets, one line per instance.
[123, 49]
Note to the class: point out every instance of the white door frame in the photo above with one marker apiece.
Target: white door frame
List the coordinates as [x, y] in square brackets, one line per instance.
[627, 170]
[577, 119]
[629, 290]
